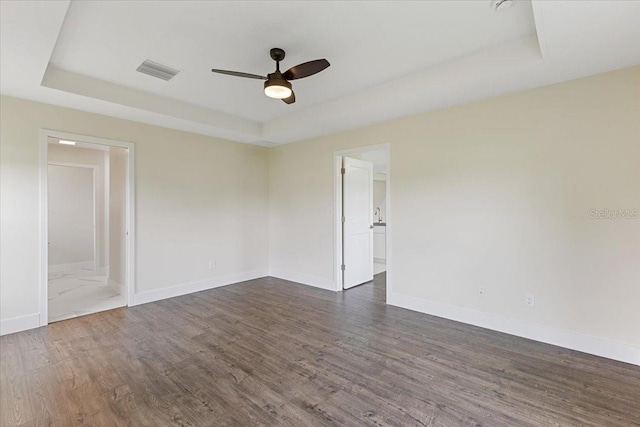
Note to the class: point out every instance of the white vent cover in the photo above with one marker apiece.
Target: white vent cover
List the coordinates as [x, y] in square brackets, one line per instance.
[157, 70]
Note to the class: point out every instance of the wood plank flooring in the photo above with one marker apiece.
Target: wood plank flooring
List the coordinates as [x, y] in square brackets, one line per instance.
[272, 352]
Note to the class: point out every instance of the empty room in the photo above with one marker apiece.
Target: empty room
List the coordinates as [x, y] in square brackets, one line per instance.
[311, 213]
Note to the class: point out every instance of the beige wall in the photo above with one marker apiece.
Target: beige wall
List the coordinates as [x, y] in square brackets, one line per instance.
[197, 199]
[496, 194]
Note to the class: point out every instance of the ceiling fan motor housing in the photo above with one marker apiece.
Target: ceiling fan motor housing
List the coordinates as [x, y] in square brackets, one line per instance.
[277, 54]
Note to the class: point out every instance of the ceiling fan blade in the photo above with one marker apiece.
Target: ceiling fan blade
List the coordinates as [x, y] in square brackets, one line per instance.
[239, 74]
[306, 69]
[291, 99]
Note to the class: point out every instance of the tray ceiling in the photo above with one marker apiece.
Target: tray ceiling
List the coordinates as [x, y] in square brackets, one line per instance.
[388, 59]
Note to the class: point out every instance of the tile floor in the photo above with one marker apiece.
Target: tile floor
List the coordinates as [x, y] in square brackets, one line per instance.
[73, 294]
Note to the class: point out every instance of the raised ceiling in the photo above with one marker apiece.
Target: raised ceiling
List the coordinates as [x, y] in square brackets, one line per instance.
[367, 46]
[388, 59]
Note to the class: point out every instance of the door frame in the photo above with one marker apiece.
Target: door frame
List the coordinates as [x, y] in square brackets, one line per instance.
[337, 192]
[94, 206]
[44, 215]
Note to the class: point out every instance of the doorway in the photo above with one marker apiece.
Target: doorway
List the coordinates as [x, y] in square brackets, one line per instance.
[362, 226]
[86, 214]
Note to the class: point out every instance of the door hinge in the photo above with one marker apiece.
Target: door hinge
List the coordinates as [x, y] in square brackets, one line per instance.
[342, 171]
[342, 267]
[343, 220]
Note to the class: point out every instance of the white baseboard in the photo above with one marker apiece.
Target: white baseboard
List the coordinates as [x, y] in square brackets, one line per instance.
[562, 338]
[305, 279]
[202, 285]
[73, 266]
[18, 324]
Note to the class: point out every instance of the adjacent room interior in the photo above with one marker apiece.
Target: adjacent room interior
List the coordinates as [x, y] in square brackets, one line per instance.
[179, 244]
[86, 217]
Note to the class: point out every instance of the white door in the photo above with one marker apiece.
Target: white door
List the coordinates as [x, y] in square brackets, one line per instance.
[357, 218]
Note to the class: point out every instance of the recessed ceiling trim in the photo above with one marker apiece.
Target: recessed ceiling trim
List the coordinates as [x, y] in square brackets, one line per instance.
[229, 126]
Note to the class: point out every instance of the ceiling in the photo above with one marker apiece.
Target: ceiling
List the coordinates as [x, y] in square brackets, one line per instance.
[388, 59]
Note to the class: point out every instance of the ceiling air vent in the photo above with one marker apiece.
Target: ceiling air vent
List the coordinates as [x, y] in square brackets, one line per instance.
[157, 70]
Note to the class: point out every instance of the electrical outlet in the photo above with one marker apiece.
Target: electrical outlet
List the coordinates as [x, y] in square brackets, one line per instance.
[212, 265]
[530, 300]
[482, 291]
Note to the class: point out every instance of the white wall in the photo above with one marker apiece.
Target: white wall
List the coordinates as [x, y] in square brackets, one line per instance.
[117, 213]
[496, 194]
[380, 199]
[96, 158]
[71, 215]
[197, 199]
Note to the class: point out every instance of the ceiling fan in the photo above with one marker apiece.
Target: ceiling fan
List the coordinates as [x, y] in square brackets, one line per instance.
[277, 84]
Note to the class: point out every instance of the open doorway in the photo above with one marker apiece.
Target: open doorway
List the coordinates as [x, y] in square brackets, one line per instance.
[362, 217]
[86, 219]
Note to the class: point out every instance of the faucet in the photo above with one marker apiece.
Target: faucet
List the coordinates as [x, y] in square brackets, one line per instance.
[378, 213]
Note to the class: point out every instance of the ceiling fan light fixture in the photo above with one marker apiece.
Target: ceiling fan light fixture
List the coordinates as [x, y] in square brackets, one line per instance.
[277, 88]
[277, 84]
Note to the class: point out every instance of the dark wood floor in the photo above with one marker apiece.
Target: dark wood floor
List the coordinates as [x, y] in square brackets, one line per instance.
[271, 352]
